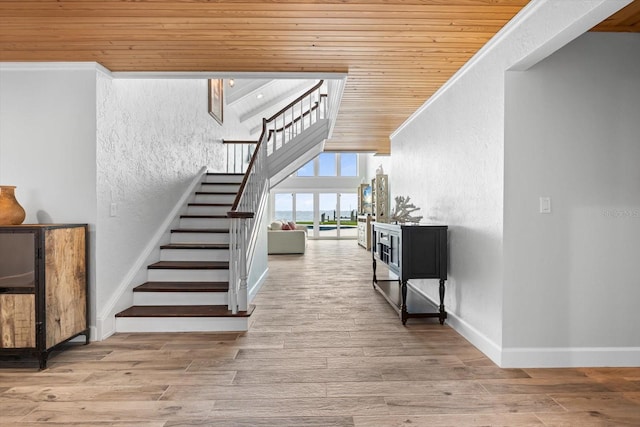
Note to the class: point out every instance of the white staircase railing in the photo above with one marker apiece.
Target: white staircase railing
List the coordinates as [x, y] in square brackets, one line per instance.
[239, 155]
[277, 132]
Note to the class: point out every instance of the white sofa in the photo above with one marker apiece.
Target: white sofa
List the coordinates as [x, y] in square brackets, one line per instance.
[288, 241]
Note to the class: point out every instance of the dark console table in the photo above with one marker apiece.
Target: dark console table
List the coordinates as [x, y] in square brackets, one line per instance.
[410, 252]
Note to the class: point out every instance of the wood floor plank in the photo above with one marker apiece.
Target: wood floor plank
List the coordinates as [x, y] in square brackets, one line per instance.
[268, 422]
[145, 377]
[472, 404]
[457, 420]
[81, 393]
[299, 353]
[89, 412]
[404, 388]
[313, 376]
[589, 419]
[451, 373]
[292, 364]
[543, 386]
[307, 407]
[238, 392]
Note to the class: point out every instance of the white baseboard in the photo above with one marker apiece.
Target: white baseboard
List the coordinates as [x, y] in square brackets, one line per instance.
[570, 357]
[251, 293]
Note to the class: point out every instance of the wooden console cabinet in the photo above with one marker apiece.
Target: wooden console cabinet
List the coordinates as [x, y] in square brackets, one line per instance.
[410, 252]
[43, 288]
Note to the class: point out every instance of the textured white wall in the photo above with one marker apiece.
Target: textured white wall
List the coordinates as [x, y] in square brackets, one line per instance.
[154, 135]
[47, 144]
[572, 134]
[449, 158]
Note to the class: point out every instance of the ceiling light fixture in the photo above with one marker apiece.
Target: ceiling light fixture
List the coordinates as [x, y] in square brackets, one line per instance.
[259, 96]
[232, 82]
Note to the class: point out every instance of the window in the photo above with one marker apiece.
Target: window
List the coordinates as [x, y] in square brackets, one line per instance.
[327, 162]
[283, 206]
[306, 170]
[348, 164]
[331, 164]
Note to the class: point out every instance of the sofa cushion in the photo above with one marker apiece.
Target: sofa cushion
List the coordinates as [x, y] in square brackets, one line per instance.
[276, 225]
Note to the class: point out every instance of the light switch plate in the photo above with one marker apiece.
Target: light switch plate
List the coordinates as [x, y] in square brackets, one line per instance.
[545, 205]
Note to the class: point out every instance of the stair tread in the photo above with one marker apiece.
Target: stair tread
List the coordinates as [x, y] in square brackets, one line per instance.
[205, 216]
[190, 265]
[217, 193]
[224, 174]
[210, 204]
[221, 183]
[195, 246]
[182, 287]
[182, 311]
[200, 230]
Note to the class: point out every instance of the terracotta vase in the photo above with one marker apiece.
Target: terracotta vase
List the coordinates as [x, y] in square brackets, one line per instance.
[11, 213]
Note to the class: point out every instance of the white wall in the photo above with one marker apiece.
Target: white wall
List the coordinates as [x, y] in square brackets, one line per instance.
[154, 135]
[48, 144]
[571, 279]
[372, 163]
[449, 157]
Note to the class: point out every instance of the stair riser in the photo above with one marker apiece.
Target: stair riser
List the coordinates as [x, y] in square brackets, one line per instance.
[180, 298]
[215, 198]
[169, 275]
[181, 324]
[224, 178]
[223, 188]
[194, 255]
[204, 223]
[208, 210]
[199, 237]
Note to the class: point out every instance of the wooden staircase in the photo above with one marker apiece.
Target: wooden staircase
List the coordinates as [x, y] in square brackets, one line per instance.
[187, 289]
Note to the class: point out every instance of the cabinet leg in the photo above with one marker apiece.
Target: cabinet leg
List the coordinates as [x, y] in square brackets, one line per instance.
[443, 314]
[403, 307]
[42, 359]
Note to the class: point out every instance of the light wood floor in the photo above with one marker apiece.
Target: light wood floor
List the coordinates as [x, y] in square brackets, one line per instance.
[324, 350]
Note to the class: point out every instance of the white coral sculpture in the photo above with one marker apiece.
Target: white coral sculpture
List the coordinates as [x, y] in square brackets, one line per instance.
[403, 210]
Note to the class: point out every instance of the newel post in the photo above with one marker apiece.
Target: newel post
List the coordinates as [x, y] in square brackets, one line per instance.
[239, 221]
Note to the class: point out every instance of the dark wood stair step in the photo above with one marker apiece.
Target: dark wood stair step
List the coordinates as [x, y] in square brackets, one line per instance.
[195, 246]
[200, 230]
[216, 193]
[224, 174]
[189, 265]
[182, 311]
[205, 216]
[210, 204]
[182, 287]
[221, 183]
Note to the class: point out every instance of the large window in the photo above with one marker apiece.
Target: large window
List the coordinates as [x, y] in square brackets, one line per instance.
[331, 164]
[348, 164]
[283, 206]
[322, 196]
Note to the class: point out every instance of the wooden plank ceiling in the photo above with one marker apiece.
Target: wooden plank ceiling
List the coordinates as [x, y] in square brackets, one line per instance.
[396, 53]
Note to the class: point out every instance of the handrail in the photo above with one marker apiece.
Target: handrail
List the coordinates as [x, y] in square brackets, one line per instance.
[298, 99]
[236, 201]
[306, 113]
[252, 194]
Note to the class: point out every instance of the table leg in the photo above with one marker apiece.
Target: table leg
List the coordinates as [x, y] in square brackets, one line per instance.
[403, 307]
[443, 314]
